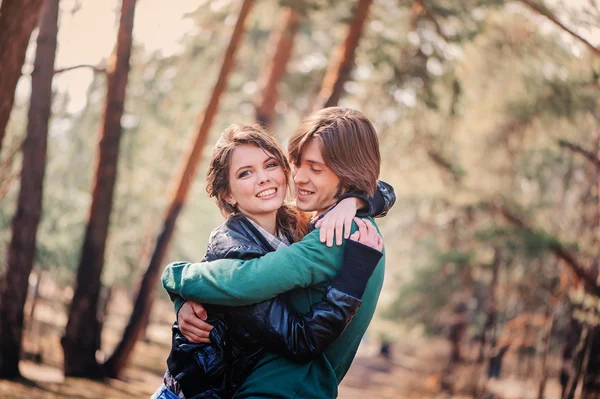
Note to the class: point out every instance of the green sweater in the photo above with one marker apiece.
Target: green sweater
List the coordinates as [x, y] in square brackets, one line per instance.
[304, 268]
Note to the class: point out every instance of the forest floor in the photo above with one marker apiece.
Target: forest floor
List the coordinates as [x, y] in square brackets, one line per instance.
[412, 372]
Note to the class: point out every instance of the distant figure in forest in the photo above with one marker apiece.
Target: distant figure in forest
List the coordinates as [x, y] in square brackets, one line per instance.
[496, 356]
[269, 348]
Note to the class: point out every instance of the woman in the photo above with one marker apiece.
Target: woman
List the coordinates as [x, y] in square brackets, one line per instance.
[249, 177]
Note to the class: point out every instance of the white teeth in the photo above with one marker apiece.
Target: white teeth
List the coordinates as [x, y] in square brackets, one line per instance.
[266, 192]
[304, 192]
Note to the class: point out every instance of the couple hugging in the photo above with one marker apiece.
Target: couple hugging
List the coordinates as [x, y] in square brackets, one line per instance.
[275, 310]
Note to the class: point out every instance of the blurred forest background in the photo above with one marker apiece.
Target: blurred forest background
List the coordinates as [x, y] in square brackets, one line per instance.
[488, 116]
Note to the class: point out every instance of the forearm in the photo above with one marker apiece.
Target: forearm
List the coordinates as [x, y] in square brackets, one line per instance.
[236, 283]
[299, 337]
[302, 337]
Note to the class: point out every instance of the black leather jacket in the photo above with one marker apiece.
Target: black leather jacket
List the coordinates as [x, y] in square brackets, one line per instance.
[242, 334]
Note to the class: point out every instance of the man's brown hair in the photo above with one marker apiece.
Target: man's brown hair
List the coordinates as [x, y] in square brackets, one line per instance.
[293, 222]
[349, 146]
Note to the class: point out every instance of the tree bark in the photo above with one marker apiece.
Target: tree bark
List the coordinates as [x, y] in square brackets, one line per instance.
[18, 18]
[282, 43]
[146, 293]
[342, 63]
[14, 286]
[591, 382]
[581, 354]
[546, 342]
[81, 340]
[487, 334]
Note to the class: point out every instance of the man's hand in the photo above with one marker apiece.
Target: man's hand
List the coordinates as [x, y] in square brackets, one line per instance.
[190, 319]
[338, 221]
[367, 234]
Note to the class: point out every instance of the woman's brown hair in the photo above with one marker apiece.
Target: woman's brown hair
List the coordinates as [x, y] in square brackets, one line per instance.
[291, 221]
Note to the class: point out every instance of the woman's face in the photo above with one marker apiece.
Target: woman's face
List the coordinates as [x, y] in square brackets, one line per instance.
[257, 182]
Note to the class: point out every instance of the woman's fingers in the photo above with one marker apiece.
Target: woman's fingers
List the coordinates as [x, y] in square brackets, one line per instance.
[362, 229]
[339, 230]
[347, 227]
[376, 237]
[369, 234]
[366, 234]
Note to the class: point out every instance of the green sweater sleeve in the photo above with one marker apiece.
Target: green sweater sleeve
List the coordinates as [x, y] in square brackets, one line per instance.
[236, 283]
[178, 302]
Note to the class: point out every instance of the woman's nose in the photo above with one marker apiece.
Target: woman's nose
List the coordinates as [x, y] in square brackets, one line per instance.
[263, 177]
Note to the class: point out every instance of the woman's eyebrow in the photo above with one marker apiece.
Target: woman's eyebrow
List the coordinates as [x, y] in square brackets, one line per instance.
[242, 167]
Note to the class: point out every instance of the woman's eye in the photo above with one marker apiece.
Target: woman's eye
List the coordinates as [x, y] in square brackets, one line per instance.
[271, 165]
[315, 170]
[244, 174]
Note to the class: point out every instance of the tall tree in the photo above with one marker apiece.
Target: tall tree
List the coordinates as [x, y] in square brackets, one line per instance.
[82, 335]
[145, 297]
[17, 20]
[342, 63]
[282, 42]
[13, 289]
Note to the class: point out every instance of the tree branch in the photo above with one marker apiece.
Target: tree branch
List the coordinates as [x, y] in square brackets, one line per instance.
[95, 68]
[555, 246]
[590, 156]
[438, 159]
[432, 18]
[5, 185]
[542, 10]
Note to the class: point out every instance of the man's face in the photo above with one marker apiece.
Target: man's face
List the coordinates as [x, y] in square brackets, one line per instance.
[316, 184]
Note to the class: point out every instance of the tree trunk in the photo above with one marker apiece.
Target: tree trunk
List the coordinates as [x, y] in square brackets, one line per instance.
[145, 297]
[487, 334]
[81, 340]
[18, 18]
[342, 63]
[591, 380]
[546, 342]
[14, 286]
[282, 42]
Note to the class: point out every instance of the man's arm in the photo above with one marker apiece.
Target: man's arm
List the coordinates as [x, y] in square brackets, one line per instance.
[236, 283]
[304, 336]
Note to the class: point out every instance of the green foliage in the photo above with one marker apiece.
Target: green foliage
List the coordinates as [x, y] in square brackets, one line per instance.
[421, 300]
[529, 243]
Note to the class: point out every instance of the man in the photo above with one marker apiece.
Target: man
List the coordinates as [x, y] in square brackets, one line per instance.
[334, 151]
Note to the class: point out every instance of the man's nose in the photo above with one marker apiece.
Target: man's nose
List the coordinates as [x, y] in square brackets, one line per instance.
[299, 176]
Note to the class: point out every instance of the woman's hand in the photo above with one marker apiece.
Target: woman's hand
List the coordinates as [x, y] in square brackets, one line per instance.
[338, 221]
[191, 322]
[367, 234]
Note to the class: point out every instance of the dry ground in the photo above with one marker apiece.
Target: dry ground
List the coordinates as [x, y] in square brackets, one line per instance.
[415, 370]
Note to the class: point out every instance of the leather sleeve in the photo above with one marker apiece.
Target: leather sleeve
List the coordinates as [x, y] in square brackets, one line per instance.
[377, 206]
[302, 337]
